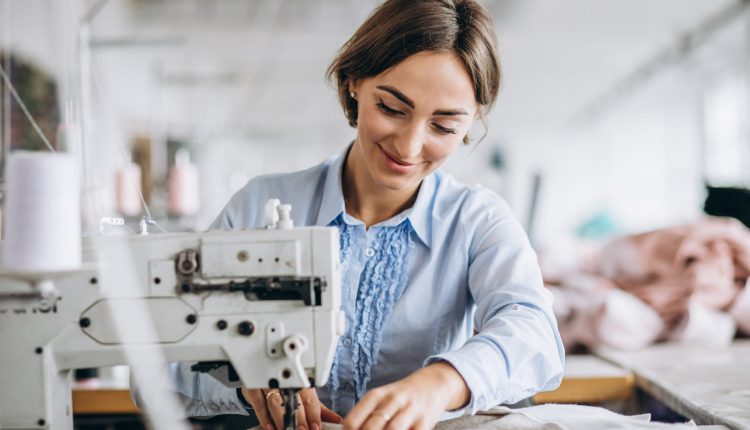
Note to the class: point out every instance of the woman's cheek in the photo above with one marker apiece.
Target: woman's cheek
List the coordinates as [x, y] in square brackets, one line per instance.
[375, 126]
[438, 150]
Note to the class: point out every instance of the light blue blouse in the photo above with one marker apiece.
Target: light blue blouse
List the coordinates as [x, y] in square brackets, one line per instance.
[415, 288]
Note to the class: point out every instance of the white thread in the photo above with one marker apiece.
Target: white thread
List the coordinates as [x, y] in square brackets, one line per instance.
[123, 153]
[42, 212]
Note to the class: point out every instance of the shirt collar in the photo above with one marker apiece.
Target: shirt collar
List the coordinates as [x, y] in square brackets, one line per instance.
[332, 203]
[419, 215]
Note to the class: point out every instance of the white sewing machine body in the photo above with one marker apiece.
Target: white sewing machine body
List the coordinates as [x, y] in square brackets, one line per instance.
[266, 301]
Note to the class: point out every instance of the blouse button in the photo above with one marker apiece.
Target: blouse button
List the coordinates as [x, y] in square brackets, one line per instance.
[347, 342]
[370, 252]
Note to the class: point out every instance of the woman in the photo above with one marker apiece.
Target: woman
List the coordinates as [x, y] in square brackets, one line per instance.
[421, 253]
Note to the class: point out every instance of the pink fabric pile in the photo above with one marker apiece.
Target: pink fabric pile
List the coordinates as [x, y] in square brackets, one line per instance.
[682, 284]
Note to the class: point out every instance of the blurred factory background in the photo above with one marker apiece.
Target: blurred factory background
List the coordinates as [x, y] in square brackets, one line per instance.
[613, 115]
[615, 118]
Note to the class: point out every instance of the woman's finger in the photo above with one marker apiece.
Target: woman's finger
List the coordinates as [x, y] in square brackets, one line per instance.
[311, 405]
[403, 419]
[301, 415]
[257, 399]
[362, 410]
[385, 412]
[275, 405]
[329, 416]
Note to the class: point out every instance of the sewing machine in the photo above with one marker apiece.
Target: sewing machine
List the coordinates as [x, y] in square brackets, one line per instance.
[260, 308]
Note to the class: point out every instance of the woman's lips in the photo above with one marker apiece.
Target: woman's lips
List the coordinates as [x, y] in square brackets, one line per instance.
[395, 165]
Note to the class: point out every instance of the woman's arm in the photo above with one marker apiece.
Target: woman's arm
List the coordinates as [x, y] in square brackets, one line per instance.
[517, 351]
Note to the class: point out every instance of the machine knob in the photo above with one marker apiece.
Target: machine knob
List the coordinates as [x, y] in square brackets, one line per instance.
[187, 262]
[245, 328]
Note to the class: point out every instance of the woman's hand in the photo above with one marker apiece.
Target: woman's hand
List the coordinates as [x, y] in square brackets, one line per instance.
[269, 408]
[414, 402]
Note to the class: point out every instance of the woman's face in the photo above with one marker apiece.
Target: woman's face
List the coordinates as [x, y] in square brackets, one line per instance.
[412, 117]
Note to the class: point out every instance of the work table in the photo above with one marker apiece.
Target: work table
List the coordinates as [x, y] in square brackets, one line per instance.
[588, 380]
[709, 386]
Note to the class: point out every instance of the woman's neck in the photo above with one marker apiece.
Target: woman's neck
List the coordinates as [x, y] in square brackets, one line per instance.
[365, 199]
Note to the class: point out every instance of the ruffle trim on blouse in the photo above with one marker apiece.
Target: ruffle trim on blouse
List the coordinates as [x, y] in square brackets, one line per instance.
[381, 283]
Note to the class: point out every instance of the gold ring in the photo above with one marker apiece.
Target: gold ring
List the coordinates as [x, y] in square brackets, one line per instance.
[272, 392]
[385, 416]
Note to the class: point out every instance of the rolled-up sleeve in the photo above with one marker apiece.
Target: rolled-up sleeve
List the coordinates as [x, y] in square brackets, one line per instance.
[517, 351]
[200, 394]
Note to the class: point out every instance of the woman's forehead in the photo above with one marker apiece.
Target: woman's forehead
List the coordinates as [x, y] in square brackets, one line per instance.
[438, 76]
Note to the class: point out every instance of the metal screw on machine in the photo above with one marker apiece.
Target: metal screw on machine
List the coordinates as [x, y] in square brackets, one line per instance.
[186, 287]
[187, 262]
[245, 328]
[191, 319]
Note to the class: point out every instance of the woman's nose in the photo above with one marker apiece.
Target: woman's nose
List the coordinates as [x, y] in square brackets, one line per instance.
[409, 143]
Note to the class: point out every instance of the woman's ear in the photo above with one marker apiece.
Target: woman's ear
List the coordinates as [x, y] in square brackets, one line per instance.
[478, 115]
[353, 89]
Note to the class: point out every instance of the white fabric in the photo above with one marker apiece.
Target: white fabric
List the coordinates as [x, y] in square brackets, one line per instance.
[549, 417]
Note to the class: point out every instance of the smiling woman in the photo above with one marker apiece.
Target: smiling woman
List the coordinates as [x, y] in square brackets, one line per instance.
[407, 126]
[402, 28]
[425, 261]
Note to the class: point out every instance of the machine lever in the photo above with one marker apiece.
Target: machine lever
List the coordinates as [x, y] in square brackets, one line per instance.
[294, 346]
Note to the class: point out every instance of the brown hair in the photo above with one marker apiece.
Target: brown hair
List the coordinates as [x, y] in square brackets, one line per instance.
[398, 29]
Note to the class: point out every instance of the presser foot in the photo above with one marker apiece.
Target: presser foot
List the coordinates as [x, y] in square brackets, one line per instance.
[290, 408]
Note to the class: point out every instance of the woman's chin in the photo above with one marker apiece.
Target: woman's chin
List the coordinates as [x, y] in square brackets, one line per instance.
[392, 182]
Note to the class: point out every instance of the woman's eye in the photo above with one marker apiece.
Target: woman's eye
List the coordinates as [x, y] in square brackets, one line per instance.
[444, 130]
[387, 110]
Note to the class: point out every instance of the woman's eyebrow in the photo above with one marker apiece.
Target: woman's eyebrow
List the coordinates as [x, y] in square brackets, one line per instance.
[398, 94]
[450, 112]
[401, 96]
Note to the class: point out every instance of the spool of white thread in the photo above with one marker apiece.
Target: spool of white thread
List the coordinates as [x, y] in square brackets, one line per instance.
[42, 212]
